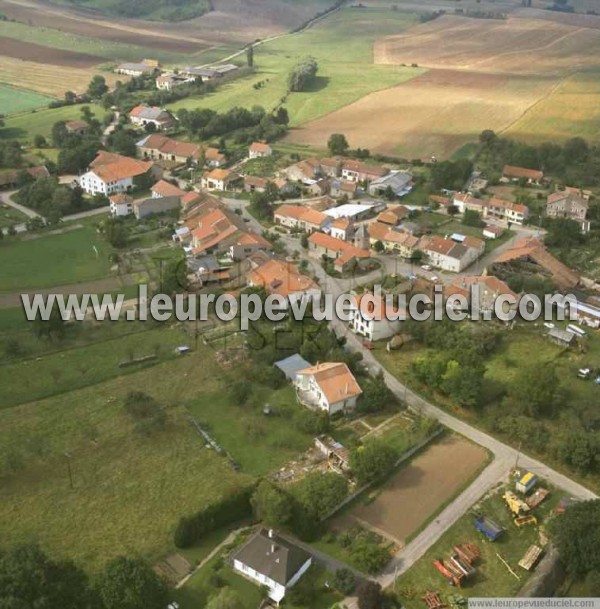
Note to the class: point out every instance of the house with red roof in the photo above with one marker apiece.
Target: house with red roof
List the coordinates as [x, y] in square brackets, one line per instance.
[344, 254]
[143, 115]
[258, 150]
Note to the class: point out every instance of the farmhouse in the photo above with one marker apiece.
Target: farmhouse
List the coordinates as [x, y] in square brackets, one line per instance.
[161, 148]
[486, 287]
[339, 188]
[512, 173]
[121, 204]
[344, 254]
[393, 215]
[271, 561]
[399, 183]
[143, 115]
[219, 179]
[464, 201]
[300, 217]
[155, 205]
[259, 150]
[327, 386]
[303, 171]
[447, 254]
[356, 171]
[167, 82]
[393, 239]
[492, 231]
[283, 278]
[331, 167]
[10, 177]
[166, 189]
[506, 211]
[569, 205]
[342, 228]
[111, 173]
[528, 255]
[135, 69]
[373, 318]
[77, 127]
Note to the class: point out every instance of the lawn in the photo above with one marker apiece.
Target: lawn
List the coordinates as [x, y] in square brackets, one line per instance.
[342, 45]
[13, 100]
[129, 489]
[492, 578]
[25, 126]
[52, 260]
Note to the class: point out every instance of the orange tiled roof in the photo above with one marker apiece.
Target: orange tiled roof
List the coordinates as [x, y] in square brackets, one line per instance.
[261, 147]
[111, 167]
[302, 213]
[335, 381]
[280, 277]
[166, 189]
[511, 171]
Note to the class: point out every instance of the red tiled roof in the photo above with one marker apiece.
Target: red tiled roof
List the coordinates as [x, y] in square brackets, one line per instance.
[511, 171]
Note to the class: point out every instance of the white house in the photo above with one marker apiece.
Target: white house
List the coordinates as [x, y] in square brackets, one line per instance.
[372, 318]
[258, 150]
[112, 173]
[121, 204]
[271, 561]
[329, 386]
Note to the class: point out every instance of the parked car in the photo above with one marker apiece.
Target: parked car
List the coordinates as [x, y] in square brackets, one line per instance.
[426, 267]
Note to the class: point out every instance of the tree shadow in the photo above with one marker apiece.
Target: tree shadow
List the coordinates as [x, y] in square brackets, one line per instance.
[10, 133]
[318, 83]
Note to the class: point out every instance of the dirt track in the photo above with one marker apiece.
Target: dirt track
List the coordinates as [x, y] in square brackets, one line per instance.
[418, 490]
[28, 51]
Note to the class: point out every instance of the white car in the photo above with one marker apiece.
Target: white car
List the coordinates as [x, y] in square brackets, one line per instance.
[434, 278]
[426, 267]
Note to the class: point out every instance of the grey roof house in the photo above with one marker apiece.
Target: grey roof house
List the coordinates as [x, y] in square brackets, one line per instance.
[399, 181]
[272, 561]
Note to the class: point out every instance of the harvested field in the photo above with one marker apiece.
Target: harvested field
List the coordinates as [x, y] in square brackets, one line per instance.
[116, 31]
[435, 113]
[40, 54]
[515, 45]
[417, 491]
[49, 79]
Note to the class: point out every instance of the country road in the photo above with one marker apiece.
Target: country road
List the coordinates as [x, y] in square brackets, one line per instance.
[504, 457]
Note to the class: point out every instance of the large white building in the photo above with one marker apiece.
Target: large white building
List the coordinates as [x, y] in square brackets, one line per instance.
[112, 173]
[372, 318]
[271, 561]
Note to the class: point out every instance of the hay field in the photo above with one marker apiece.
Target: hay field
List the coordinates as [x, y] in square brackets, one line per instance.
[572, 109]
[48, 79]
[433, 114]
[515, 46]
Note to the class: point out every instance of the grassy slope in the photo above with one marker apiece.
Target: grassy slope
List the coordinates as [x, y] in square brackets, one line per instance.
[25, 126]
[53, 260]
[342, 45]
[572, 109]
[10, 216]
[14, 100]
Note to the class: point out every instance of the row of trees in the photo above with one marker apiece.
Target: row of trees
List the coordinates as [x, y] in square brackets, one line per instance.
[29, 578]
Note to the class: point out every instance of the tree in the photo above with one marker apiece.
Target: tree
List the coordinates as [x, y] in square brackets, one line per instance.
[250, 56]
[28, 578]
[378, 246]
[535, 390]
[115, 232]
[376, 395]
[320, 493]
[282, 117]
[122, 142]
[337, 144]
[487, 137]
[39, 141]
[369, 595]
[302, 75]
[273, 506]
[576, 535]
[225, 599]
[130, 583]
[97, 87]
[304, 241]
[472, 218]
[372, 460]
[344, 581]
[70, 97]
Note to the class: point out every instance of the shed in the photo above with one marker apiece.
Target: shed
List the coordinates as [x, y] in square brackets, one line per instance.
[561, 337]
[292, 365]
[526, 482]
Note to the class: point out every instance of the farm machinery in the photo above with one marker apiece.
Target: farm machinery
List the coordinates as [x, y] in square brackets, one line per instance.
[459, 564]
[516, 505]
[488, 527]
[521, 521]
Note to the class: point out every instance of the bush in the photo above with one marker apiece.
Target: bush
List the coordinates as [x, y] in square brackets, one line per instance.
[344, 581]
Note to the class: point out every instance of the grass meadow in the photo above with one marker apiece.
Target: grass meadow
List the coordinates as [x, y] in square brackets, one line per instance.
[52, 260]
[13, 100]
[343, 46]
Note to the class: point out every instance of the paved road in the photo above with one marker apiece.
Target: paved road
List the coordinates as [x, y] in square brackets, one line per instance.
[504, 457]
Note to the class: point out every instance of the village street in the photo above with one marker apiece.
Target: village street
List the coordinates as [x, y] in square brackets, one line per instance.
[504, 456]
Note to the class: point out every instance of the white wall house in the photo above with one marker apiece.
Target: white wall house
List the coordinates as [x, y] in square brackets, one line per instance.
[271, 561]
[121, 205]
[93, 184]
[329, 386]
[370, 318]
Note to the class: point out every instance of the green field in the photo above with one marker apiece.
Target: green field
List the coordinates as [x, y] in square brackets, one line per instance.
[342, 45]
[52, 260]
[10, 216]
[492, 578]
[148, 9]
[73, 42]
[14, 100]
[26, 125]
[571, 110]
